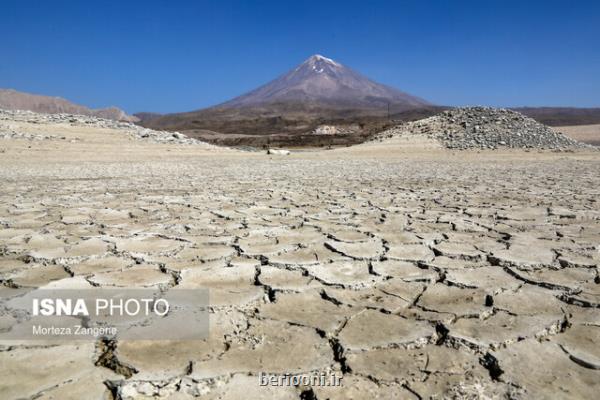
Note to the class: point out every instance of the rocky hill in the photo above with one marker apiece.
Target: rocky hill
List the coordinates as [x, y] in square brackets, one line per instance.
[13, 100]
[10, 121]
[484, 128]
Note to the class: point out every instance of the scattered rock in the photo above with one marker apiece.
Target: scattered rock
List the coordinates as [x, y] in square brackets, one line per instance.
[7, 131]
[485, 128]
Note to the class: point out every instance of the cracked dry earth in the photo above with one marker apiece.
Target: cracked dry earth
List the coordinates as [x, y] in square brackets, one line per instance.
[410, 273]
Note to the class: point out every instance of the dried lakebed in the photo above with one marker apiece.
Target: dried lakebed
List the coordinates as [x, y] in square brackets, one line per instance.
[409, 276]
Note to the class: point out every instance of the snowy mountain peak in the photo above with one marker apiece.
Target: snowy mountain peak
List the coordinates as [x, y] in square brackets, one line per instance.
[321, 80]
[318, 64]
[319, 58]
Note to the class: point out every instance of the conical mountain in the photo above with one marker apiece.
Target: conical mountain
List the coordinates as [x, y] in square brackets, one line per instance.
[320, 90]
[321, 79]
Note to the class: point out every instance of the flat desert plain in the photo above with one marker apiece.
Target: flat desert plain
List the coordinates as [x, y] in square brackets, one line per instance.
[584, 133]
[408, 270]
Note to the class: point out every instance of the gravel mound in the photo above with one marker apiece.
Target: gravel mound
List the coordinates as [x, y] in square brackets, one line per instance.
[9, 131]
[485, 128]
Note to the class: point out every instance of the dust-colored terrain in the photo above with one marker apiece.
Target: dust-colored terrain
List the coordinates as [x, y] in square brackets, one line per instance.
[13, 100]
[407, 269]
[289, 126]
[584, 133]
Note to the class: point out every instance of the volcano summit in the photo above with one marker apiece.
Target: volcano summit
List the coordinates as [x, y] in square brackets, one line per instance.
[322, 80]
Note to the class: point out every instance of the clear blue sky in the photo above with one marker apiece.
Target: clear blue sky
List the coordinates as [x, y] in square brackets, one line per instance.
[183, 55]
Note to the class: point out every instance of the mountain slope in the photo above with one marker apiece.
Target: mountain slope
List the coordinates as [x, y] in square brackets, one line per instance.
[320, 79]
[319, 90]
[560, 116]
[13, 100]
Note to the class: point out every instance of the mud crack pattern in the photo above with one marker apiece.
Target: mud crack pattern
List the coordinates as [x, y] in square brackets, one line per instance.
[454, 279]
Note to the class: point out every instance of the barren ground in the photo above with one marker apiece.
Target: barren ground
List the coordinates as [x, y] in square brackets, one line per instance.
[584, 133]
[407, 269]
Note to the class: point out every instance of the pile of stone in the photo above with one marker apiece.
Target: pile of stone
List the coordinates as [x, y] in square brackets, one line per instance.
[485, 128]
[335, 129]
[8, 129]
